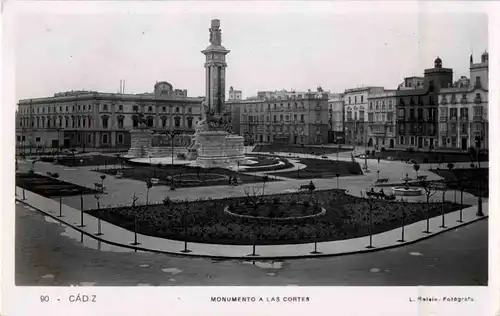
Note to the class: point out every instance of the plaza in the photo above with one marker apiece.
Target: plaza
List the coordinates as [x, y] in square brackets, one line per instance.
[201, 193]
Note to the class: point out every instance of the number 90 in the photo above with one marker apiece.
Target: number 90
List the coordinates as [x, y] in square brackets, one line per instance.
[44, 298]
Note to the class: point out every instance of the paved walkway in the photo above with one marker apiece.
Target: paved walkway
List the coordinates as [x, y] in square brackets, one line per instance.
[119, 192]
[119, 236]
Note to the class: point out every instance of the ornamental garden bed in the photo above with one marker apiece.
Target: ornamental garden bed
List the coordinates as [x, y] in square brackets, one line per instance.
[429, 157]
[317, 168]
[346, 217]
[49, 187]
[267, 163]
[469, 178]
[193, 176]
[318, 150]
[87, 160]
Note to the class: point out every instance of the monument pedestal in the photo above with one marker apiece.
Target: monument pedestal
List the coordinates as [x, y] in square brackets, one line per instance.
[140, 143]
[219, 149]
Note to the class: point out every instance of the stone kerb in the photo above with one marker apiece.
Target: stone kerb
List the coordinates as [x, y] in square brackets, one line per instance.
[283, 220]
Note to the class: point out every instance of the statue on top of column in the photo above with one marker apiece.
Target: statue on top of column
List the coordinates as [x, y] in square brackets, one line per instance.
[215, 33]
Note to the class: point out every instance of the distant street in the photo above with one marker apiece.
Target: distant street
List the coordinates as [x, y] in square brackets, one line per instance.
[50, 254]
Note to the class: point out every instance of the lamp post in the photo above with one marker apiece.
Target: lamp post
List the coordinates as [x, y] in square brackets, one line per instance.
[99, 231]
[402, 223]
[172, 135]
[370, 199]
[479, 198]
[81, 211]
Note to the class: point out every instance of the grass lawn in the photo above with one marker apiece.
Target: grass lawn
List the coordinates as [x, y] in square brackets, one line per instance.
[189, 176]
[298, 149]
[317, 168]
[49, 187]
[346, 217]
[429, 157]
[91, 160]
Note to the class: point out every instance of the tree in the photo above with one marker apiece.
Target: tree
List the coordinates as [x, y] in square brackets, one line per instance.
[430, 190]
[416, 167]
[149, 185]
[252, 197]
[450, 166]
[264, 180]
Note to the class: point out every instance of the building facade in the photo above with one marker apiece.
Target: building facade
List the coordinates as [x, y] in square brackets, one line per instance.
[336, 118]
[382, 119]
[90, 119]
[356, 114]
[235, 95]
[301, 119]
[463, 110]
[416, 121]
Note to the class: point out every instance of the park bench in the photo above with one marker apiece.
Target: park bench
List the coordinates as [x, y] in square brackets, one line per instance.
[155, 181]
[421, 178]
[381, 181]
[99, 187]
[380, 195]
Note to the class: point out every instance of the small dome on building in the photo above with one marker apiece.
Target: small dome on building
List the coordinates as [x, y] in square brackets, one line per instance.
[438, 63]
[484, 57]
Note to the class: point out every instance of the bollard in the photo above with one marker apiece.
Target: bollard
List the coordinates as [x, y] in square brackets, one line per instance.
[24, 194]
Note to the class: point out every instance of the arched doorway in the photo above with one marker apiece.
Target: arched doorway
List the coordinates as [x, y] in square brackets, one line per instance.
[391, 143]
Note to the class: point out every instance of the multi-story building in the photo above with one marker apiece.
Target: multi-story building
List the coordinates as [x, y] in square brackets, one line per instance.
[336, 118]
[411, 83]
[463, 109]
[283, 94]
[382, 119]
[355, 114]
[417, 109]
[235, 95]
[91, 119]
[295, 119]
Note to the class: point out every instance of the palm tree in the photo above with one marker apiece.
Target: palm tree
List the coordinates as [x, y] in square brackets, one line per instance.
[416, 167]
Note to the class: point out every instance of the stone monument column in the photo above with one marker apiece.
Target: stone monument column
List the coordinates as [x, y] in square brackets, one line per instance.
[215, 69]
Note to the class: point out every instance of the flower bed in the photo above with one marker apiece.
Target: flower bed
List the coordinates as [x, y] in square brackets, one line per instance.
[194, 176]
[50, 187]
[345, 217]
[318, 168]
[292, 212]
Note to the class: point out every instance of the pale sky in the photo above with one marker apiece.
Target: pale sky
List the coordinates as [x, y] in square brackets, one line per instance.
[269, 51]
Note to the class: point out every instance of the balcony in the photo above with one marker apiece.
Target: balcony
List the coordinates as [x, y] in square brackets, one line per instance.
[463, 132]
[463, 101]
[452, 119]
[453, 101]
[443, 132]
[464, 118]
[317, 108]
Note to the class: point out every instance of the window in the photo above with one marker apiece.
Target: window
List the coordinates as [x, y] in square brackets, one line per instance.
[464, 113]
[135, 108]
[120, 122]
[420, 113]
[79, 122]
[349, 100]
[104, 138]
[84, 122]
[463, 128]
[164, 108]
[190, 110]
[478, 111]
[105, 107]
[43, 110]
[150, 121]
[355, 99]
[361, 99]
[190, 122]
[302, 118]
[84, 108]
[177, 109]
[135, 121]
[163, 122]
[281, 117]
[66, 108]
[412, 114]
[274, 118]
[355, 116]
[60, 109]
[177, 121]
[105, 122]
[120, 107]
[38, 139]
[120, 139]
[150, 109]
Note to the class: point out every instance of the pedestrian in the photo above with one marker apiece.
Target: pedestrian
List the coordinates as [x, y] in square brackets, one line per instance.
[378, 159]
